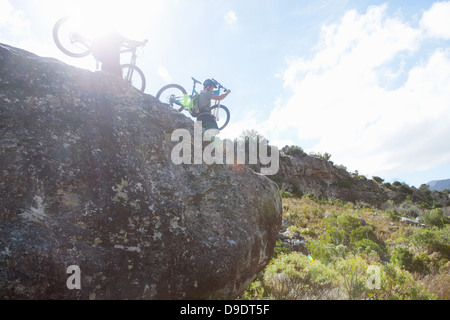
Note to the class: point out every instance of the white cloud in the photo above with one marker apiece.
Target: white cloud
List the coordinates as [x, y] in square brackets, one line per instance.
[436, 21]
[12, 20]
[230, 17]
[341, 95]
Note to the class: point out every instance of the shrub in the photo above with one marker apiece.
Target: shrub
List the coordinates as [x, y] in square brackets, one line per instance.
[405, 189]
[387, 185]
[438, 284]
[354, 277]
[392, 214]
[377, 179]
[348, 222]
[347, 230]
[435, 217]
[366, 246]
[294, 276]
[293, 151]
[285, 194]
[363, 232]
[341, 167]
[421, 263]
[326, 252]
[403, 258]
[435, 240]
[255, 291]
[409, 209]
[397, 284]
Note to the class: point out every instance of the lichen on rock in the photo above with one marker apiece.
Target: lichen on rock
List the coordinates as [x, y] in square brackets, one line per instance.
[87, 180]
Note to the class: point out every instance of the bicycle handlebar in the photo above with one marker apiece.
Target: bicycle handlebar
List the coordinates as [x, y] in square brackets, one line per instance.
[219, 85]
[132, 47]
[195, 81]
[215, 81]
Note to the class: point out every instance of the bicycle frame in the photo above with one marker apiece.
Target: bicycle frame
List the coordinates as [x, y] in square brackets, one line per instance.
[185, 101]
[129, 75]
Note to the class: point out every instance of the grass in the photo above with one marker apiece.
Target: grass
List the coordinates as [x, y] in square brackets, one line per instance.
[344, 240]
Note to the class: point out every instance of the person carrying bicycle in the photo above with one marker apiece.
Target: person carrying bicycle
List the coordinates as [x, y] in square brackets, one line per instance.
[106, 49]
[204, 104]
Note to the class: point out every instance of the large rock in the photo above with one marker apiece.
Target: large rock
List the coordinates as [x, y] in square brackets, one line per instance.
[309, 174]
[87, 180]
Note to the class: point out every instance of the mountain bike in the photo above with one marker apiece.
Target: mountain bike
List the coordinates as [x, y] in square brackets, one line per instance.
[77, 45]
[174, 94]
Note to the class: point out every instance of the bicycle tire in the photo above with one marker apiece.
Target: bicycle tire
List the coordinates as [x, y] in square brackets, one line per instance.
[167, 88]
[227, 112]
[61, 46]
[137, 75]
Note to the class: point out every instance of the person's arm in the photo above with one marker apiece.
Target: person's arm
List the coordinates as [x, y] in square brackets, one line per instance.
[222, 96]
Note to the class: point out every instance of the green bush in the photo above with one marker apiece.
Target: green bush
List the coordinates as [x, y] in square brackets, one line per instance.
[285, 194]
[293, 151]
[405, 189]
[335, 236]
[293, 276]
[255, 291]
[435, 217]
[366, 246]
[326, 252]
[392, 214]
[387, 185]
[403, 258]
[434, 240]
[421, 264]
[377, 179]
[409, 209]
[343, 249]
[362, 232]
[353, 272]
[398, 284]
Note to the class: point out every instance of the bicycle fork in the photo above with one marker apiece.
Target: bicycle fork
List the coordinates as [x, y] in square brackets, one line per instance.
[129, 75]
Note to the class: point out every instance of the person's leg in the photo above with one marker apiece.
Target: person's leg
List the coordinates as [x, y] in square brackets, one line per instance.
[112, 66]
[208, 121]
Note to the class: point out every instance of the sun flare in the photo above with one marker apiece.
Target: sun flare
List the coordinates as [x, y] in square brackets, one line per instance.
[131, 18]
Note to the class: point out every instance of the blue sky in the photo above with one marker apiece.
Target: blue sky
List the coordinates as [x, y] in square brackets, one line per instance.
[366, 81]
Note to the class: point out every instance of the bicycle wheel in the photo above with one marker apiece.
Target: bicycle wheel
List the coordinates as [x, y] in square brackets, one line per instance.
[223, 117]
[134, 76]
[68, 41]
[168, 93]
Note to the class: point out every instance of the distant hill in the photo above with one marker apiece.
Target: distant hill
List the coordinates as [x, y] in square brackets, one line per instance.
[439, 185]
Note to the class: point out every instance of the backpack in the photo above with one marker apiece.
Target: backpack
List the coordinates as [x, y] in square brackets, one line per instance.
[193, 106]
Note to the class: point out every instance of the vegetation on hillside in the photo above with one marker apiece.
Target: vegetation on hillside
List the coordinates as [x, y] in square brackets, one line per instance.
[359, 252]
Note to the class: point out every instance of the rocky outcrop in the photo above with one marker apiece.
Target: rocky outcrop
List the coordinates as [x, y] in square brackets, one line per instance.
[307, 174]
[303, 174]
[89, 195]
[412, 222]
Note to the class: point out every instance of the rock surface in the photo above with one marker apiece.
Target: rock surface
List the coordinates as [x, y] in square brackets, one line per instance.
[321, 177]
[303, 174]
[87, 180]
